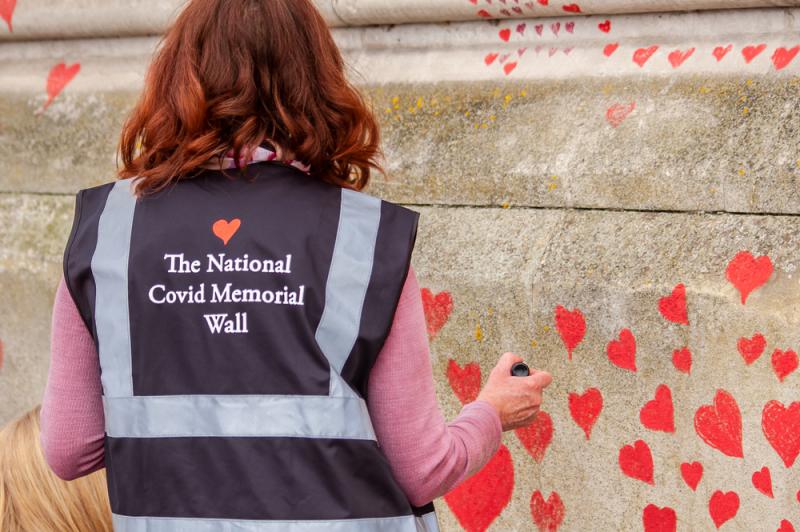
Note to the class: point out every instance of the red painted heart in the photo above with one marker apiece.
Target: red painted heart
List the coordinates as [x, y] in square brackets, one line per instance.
[572, 8]
[636, 461]
[622, 352]
[554, 27]
[751, 349]
[610, 49]
[617, 113]
[224, 230]
[720, 52]
[537, 436]
[7, 12]
[786, 526]
[437, 309]
[781, 427]
[782, 57]
[605, 27]
[547, 515]
[508, 68]
[465, 382]
[59, 77]
[678, 57]
[720, 424]
[751, 52]
[673, 306]
[586, 408]
[643, 55]
[489, 59]
[505, 34]
[784, 363]
[682, 360]
[571, 326]
[746, 272]
[692, 473]
[762, 481]
[480, 499]
[521, 28]
[723, 507]
[657, 519]
[659, 413]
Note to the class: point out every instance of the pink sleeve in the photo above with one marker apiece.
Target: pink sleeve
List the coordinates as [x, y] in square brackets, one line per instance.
[73, 423]
[428, 456]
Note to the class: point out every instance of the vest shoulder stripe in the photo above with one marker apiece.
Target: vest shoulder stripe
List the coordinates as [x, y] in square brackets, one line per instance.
[109, 267]
[194, 416]
[160, 524]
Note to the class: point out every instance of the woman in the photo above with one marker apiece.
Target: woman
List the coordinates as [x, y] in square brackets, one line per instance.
[32, 498]
[239, 337]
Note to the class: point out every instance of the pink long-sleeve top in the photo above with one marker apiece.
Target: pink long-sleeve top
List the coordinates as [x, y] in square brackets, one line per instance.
[428, 456]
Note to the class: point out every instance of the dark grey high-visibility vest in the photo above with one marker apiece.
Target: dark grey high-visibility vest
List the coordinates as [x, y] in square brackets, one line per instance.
[237, 321]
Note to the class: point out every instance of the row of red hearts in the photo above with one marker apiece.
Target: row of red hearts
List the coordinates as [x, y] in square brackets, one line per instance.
[510, 10]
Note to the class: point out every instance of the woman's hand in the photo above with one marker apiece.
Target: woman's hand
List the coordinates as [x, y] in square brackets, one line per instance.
[516, 399]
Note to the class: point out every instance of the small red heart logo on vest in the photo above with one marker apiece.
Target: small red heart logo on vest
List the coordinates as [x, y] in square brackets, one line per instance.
[224, 230]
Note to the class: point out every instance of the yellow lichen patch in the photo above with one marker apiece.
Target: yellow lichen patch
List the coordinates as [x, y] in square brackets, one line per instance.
[523, 93]
[490, 311]
[746, 111]
[478, 333]
[533, 344]
[704, 90]
[420, 102]
[493, 118]
[467, 113]
[742, 171]
[396, 103]
[506, 205]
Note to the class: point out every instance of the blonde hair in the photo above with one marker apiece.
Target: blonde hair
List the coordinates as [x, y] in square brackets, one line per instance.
[32, 498]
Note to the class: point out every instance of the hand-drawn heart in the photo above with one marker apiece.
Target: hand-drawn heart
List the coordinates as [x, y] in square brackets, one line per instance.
[539, 28]
[617, 113]
[586, 408]
[692, 472]
[505, 34]
[751, 349]
[751, 52]
[622, 352]
[570, 27]
[657, 519]
[677, 57]
[786, 526]
[782, 57]
[659, 413]
[437, 310]
[547, 515]
[543, 2]
[610, 49]
[746, 272]
[485, 14]
[7, 12]
[723, 507]
[572, 8]
[784, 363]
[516, 9]
[673, 306]
[762, 481]
[571, 326]
[224, 230]
[720, 52]
[636, 461]
[59, 77]
[605, 27]
[465, 382]
[682, 360]
[537, 436]
[504, 57]
[521, 28]
[552, 51]
[505, 12]
[720, 424]
[521, 51]
[489, 59]
[508, 68]
[781, 427]
[643, 55]
[554, 27]
[480, 499]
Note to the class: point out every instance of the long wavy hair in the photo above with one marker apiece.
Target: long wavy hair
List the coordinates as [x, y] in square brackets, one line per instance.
[230, 74]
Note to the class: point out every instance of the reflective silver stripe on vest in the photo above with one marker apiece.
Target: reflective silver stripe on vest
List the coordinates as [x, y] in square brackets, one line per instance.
[407, 523]
[110, 271]
[186, 416]
[348, 279]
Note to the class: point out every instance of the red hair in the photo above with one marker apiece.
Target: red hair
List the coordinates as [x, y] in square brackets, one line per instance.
[230, 74]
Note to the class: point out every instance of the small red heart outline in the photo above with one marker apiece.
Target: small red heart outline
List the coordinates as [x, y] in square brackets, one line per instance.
[465, 382]
[783, 56]
[537, 436]
[643, 55]
[751, 349]
[636, 461]
[720, 52]
[723, 507]
[720, 424]
[570, 27]
[751, 52]
[659, 413]
[554, 27]
[586, 408]
[7, 12]
[781, 428]
[692, 473]
[657, 519]
[622, 352]
[747, 273]
[678, 57]
[539, 29]
[521, 28]
[682, 360]
[762, 481]
[437, 309]
[617, 113]
[610, 48]
[571, 326]
[59, 77]
[504, 34]
[571, 8]
[784, 363]
[605, 26]
[673, 306]
[224, 230]
[547, 515]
